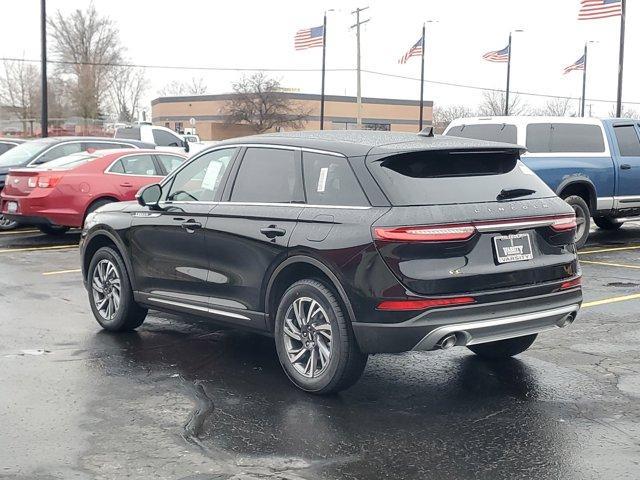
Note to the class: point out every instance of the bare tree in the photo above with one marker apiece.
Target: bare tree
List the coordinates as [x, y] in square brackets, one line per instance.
[20, 90]
[175, 88]
[626, 112]
[125, 93]
[493, 103]
[260, 103]
[443, 116]
[89, 45]
[557, 107]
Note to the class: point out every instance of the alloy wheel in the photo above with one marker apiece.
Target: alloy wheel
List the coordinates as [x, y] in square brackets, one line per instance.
[6, 223]
[307, 337]
[106, 289]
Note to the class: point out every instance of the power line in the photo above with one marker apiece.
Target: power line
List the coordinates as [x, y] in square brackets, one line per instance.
[293, 70]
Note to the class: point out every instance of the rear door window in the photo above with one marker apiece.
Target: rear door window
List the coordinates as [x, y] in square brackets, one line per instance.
[450, 177]
[496, 132]
[130, 133]
[329, 180]
[268, 175]
[139, 165]
[627, 139]
[564, 137]
[61, 150]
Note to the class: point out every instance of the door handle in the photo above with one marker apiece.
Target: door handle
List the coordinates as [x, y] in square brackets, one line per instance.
[625, 166]
[126, 184]
[191, 225]
[272, 231]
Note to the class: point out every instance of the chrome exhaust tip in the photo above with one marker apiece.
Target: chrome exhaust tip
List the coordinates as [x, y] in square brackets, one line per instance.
[566, 320]
[447, 341]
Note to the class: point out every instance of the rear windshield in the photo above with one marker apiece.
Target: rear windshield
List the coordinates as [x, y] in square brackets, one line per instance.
[447, 177]
[132, 133]
[497, 132]
[564, 137]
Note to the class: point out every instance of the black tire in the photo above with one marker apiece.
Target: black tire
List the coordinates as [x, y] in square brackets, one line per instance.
[583, 218]
[96, 205]
[503, 348]
[607, 223]
[346, 362]
[55, 230]
[6, 224]
[128, 315]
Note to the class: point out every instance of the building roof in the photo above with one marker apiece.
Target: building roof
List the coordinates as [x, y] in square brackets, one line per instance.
[353, 143]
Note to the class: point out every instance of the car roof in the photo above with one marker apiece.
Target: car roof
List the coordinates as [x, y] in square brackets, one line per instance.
[95, 139]
[12, 140]
[523, 120]
[353, 143]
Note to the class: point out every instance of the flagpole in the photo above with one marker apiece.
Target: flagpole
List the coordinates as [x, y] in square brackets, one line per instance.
[621, 59]
[422, 78]
[324, 55]
[584, 81]
[506, 103]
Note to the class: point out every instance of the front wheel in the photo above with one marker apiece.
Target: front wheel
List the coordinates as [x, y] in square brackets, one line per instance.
[55, 230]
[110, 293]
[503, 348]
[607, 223]
[7, 224]
[583, 218]
[314, 339]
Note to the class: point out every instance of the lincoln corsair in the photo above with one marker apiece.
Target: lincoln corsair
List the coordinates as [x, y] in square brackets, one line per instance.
[342, 244]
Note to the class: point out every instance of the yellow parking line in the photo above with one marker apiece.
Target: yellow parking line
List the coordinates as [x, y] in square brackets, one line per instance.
[60, 272]
[609, 264]
[605, 301]
[612, 249]
[19, 232]
[33, 249]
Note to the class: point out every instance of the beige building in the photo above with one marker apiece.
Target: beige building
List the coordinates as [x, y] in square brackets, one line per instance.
[340, 114]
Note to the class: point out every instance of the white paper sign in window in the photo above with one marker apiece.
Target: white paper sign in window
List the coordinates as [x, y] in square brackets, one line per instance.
[322, 179]
[211, 176]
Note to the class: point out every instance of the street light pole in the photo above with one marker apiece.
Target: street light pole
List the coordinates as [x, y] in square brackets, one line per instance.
[44, 109]
[358, 73]
[584, 80]
[621, 59]
[506, 102]
[324, 56]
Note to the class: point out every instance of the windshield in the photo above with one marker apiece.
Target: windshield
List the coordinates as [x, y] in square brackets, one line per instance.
[70, 161]
[24, 153]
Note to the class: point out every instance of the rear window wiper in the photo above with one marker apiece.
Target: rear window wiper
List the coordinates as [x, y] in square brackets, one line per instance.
[514, 193]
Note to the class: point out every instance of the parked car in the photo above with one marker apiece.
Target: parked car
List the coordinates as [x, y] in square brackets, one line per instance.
[61, 193]
[7, 144]
[593, 164]
[341, 244]
[37, 152]
[163, 137]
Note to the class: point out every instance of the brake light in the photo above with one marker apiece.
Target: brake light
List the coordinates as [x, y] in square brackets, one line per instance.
[564, 223]
[48, 181]
[423, 303]
[576, 282]
[438, 233]
[32, 182]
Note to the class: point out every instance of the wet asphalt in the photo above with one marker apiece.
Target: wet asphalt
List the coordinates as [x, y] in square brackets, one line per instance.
[184, 399]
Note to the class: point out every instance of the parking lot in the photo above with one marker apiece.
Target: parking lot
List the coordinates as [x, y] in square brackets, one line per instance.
[183, 399]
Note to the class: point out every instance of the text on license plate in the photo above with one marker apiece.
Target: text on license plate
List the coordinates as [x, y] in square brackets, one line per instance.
[513, 248]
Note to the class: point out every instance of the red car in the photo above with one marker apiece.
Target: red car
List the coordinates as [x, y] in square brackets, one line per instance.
[61, 193]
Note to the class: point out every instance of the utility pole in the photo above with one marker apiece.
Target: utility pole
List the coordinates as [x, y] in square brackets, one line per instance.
[44, 109]
[422, 77]
[621, 59]
[324, 58]
[358, 89]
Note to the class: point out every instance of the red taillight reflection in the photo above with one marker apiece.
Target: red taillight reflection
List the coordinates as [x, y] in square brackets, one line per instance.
[576, 282]
[47, 181]
[564, 223]
[425, 234]
[423, 304]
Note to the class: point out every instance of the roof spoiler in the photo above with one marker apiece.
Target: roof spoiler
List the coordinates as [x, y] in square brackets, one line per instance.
[426, 132]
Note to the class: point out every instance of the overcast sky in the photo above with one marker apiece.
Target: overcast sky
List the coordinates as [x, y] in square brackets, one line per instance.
[259, 34]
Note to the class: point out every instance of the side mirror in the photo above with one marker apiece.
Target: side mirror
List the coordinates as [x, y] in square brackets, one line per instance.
[185, 144]
[149, 196]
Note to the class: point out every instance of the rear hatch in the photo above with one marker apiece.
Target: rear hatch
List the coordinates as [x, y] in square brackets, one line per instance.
[470, 220]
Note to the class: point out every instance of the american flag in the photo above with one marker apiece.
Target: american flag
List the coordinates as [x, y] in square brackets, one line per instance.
[309, 38]
[577, 65]
[497, 55]
[414, 51]
[593, 9]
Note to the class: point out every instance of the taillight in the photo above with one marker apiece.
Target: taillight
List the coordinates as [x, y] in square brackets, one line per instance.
[32, 182]
[47, 181]
[423, 303]
[576, 282]
[438, 233]
[564, 223]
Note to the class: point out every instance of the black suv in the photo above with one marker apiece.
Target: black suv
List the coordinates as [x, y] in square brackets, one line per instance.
[341, 244]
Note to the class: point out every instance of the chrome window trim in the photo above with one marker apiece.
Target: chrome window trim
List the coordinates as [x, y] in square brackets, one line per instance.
[107, 172]
[267, 204]
[80, 141]
[197, 307]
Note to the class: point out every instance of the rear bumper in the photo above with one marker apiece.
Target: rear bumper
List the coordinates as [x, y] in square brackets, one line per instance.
[38, 211]
[472, 324]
